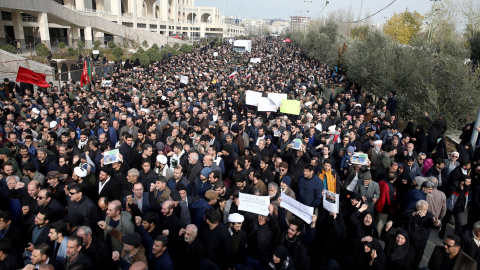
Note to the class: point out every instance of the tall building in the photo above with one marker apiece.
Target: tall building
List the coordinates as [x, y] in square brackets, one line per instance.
[299, 22]
[52, 21]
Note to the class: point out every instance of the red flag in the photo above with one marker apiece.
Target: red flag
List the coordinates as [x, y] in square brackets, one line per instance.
[233, 74]
[28, 76]
[248, 76]
[84, 78]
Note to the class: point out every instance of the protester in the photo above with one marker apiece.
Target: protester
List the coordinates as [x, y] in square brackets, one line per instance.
[188, 153]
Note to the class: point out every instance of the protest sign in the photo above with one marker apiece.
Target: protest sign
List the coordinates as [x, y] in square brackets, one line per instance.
[252, 97]
[215, 54]
[331, 201]
[254, 204]
[95, 52]
[360, 158]
[107, 83]
[297, 208]
[266, 105]
[255, 60]
[110, 157]
[277, 98]
[184, 80]
[290, 106]
[297, 144]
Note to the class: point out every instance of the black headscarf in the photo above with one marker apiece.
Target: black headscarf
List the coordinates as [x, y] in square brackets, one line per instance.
[399, 252]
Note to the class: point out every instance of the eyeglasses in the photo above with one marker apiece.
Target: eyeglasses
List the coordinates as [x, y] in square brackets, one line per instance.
[445, 244]
[454, 156]
[72, 193]
[40, 198]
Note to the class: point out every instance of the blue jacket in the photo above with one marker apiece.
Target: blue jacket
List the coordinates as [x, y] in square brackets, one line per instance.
[411, 198]
[112, 133]
[310, 190]
[197, 210]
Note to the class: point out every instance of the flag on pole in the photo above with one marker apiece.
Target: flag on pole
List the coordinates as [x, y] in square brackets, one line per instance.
[84, 78]
[27, 76]
[248, 76]
[233, 74]
[90, 78]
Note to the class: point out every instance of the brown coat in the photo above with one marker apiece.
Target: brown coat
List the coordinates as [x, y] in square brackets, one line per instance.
[139, 256]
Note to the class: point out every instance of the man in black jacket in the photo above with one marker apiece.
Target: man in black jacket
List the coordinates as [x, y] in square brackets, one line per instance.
[192, 250]
[469, 242]
[449, 256]
[217, 240]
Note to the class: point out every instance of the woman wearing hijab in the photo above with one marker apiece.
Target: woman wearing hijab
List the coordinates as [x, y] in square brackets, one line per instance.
[420, 140]
[363, 222]
[399, 253]
[369, 255]
[281, 260]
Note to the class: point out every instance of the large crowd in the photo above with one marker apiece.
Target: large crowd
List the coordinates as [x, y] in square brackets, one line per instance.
[147, 173]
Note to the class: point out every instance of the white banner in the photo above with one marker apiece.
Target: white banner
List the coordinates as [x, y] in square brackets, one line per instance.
[254, 204]
[215, 54]
[331, 201]
[107, 83]
[300, 210]
[95, 52]
[255, 60]
[184, 80]
[277, 98]
[252, 97]
[266, 105]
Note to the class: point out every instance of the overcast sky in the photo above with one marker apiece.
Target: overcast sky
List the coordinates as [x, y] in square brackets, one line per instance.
[283, 9]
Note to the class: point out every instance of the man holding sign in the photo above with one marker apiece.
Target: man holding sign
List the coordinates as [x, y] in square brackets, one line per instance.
[296, 239]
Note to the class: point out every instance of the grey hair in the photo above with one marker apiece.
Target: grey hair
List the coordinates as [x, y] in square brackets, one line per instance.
[420, 203]
[134, 172]
[421, 154]
[476, 226]
[428, 184]
[274, 185]
[85, 229]
[17, 179]
[195, 229]
[434, 180]
[194, 155]
[43, 150]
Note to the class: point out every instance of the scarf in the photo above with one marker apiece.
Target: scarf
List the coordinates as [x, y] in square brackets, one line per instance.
[82, 144]
[400, 252]
[331, 181]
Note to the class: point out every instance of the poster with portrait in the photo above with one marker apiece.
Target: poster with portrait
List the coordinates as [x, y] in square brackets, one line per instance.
[331, 201]
[110, 157]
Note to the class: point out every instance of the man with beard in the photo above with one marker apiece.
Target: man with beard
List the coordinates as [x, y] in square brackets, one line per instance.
[170, 226]
[295, 239]
[456, 206]
[161, 167]
[239, 238]
[192, 249]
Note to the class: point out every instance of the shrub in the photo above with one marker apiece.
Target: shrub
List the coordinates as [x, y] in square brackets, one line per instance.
[117, 52]
[9, 48]
[144, 60]
[71, 51]
[62, 45]
[111, 44]
[96, 44]
[80, 45]
[42, 50]
[145, 44]
[176, 46]
[155, 46]
[185, 48]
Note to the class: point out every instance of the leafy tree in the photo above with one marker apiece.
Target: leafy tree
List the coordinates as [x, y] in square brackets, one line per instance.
[321, 42]
[218, 43]
[474, 42]
[117, 52]
[155, 46]
[185, 48]
[360, 32]
[176, 46]
[145, 44]
[97, 44]
[402, 27]
[80, 45]
[111, 44]
[71, 51]
[153, 55]
[140, 50]
[144, 60]
[42, 50]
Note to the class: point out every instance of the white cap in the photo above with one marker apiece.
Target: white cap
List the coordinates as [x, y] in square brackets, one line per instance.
[235, 218]
[162, 159]
[35, 111]
[53, 124]
[377, 142]
[80, 172]
[331, 129]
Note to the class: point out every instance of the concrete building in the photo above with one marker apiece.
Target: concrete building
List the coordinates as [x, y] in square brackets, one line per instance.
[299, 22]
[157, 21]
